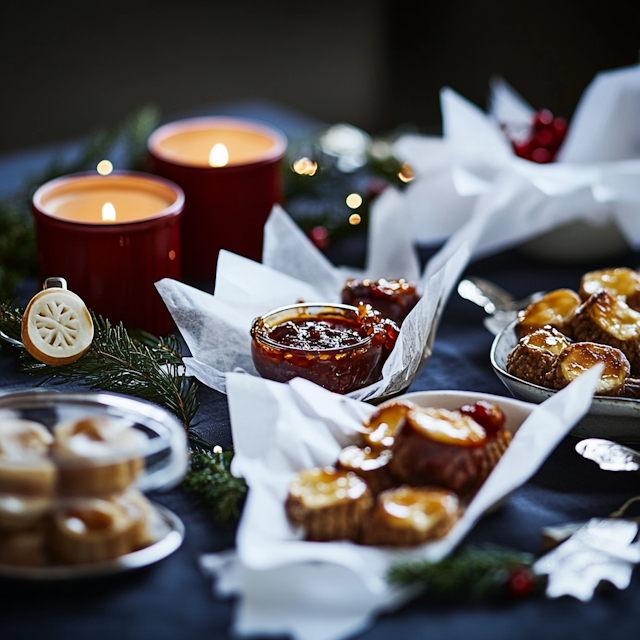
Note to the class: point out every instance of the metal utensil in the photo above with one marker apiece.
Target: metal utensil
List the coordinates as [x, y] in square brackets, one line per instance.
[498, 303]
[609, 455]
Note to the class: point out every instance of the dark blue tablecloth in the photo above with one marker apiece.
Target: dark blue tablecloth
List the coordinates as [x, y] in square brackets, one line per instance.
[173, 600]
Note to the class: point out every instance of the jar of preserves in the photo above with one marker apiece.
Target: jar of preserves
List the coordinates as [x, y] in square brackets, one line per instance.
[337, 346]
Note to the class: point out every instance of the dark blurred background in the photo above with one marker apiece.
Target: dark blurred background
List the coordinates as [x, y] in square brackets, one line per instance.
[68, 67]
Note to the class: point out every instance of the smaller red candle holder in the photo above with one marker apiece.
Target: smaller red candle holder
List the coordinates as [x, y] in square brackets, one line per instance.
[112, 237]
[231, 172]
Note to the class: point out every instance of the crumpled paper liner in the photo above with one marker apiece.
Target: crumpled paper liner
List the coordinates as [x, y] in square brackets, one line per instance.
[330, 590]
[472, 172]
[216, 328]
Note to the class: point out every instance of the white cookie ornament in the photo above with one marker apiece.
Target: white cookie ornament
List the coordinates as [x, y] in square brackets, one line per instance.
[56, 326]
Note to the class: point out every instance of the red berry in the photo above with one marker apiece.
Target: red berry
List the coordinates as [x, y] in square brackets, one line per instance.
[544, 138]
[541, 155]
[320, 237]
[489, 416]
[523, 150]
[560, 125]
[521, 582]
[543, 118]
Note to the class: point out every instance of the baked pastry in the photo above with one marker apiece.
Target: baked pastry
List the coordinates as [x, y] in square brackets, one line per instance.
[369, 464]
[141, 512]
[25, 547]
[618, 282]
[556, 309]
[383, 423]
[535, 354]
[394, 299]
[407, 516]
[582, 356]
[97, 456]
[329, 504]
[609, 320]
[25, 469]
[445, 448]
[93, 530]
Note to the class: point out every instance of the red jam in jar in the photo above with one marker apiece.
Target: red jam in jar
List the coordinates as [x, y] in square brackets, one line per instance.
[339, 347]
[394, 299]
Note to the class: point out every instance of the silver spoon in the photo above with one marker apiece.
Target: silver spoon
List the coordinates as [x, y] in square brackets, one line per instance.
[609, 455]
[498, 303]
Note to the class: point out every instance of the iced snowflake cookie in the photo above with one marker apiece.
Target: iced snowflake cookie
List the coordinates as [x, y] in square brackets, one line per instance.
[56, 327]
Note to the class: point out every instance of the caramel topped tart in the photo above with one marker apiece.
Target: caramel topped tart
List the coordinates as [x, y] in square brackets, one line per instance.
[419, 508]
[320, 488]
[447, 427]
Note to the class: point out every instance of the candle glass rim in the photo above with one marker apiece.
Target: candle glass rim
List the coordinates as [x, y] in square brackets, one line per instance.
[173, 209]
[253, 126]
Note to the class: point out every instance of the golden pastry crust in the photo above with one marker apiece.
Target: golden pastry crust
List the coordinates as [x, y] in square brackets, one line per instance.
[329, 504]
[407, 516]
[582, 356]
[25, 469]
[556, 309]
[25, 548]
[370, 465]
[446, 449]
[97, 456]
[535, 354]
[618, 282]
[608, 320]
[93, 530]
[380, 429]
[141, 512]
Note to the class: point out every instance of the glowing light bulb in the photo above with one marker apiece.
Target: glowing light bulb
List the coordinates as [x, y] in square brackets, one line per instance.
[406, 173]
[354, 200]
[108, 212]
[104, 167]
[219, 155]
[305, 167]
[355, 219]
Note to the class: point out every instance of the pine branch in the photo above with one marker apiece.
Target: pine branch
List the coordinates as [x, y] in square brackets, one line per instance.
[472, 573]
[210, 478]
[151, 370]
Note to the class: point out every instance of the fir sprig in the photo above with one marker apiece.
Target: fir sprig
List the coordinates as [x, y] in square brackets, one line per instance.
[149, 368]
[211, 479]
[472, 573]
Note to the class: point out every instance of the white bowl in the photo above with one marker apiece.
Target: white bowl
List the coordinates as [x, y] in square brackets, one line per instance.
[612, 418]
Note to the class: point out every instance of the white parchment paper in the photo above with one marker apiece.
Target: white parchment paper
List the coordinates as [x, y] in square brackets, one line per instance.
[216, 328]
[330, 590]
[471, 172]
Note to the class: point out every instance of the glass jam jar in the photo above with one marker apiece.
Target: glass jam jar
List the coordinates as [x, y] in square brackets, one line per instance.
[337, 346]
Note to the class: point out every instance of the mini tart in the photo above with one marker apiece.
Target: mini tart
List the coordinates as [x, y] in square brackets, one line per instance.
[383, 423]
[535, 354]
[370, 465]
[25, 469]
[394, 299]
[445, 448]
[329, 504]
[556, 309]
[92, 530]
[141, 512]
[22, 512]
[24, 548]
[407, 516]
[97, 456]
[605, 319]
[618, 282]
[582, 356]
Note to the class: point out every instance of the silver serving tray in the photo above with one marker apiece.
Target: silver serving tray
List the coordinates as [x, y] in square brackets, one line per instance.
[170, 542]
[612, 418]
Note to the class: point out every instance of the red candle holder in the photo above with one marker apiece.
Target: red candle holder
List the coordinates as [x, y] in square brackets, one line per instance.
[112, 264]
[228, 197]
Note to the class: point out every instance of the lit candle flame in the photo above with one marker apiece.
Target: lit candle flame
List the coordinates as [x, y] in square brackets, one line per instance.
[108, 212]
[219, 155]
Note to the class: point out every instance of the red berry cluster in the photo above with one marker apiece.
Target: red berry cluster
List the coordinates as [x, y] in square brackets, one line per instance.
[547, 134]
[489, 416]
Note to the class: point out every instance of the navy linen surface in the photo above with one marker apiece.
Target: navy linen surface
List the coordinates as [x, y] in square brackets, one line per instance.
[173, 600]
